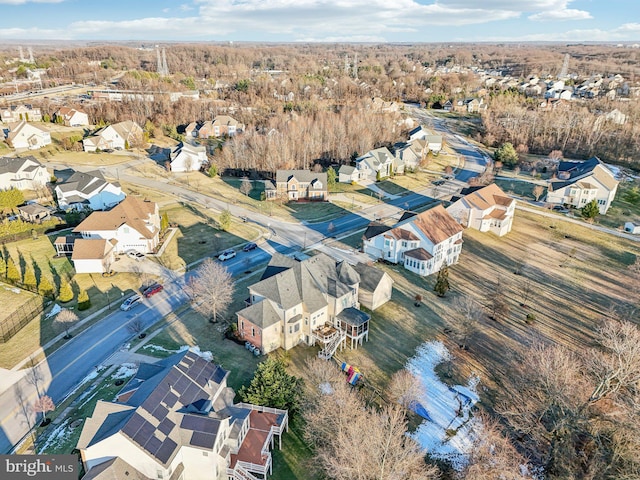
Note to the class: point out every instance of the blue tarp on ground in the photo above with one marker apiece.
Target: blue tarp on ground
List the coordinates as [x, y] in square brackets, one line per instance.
[416, 407]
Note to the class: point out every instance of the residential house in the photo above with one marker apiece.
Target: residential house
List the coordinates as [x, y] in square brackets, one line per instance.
[88, 190]
[304, 301]
[17, 113]
[71, 117]
[410, 155]
[434, 143]
[187, 158]
[418, 133]
[270, 191]
[376, 286]
[34, 212]
[23, 173]
[470, 105]
[301, 185]
[347, 174]
[376, 164]
[487, 209]
[220, 126]
[92, 255]
[175, 419]
[134, 223]
[226, 125]
[117, 137]
[631, 227]
[579, 182]
[27, 136]
[423, 242]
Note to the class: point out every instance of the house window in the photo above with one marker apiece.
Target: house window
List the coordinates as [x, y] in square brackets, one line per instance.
[253, 332]
[296, 328]
[387, 242]
[404, 244]
[125, 229]
[241, 324]
[205, 454]
[159, 474]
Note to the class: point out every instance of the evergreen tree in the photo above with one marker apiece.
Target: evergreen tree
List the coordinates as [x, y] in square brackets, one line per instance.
[164, 221]
[272, 386]
[331, 178]
[29, 280]
[213, 171]
[506, 154]
[84, 302]
[3, 267]
[225, 220]
[66, 292]
[46, 287]
[442, 281]
[13, 275]
[590, 210]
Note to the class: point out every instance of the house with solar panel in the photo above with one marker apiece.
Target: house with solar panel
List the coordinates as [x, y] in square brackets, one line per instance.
[176, 420]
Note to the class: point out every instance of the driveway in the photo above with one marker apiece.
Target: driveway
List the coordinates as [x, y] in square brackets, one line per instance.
[124, 263]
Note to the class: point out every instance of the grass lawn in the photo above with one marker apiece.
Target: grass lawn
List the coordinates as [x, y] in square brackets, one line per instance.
[522, 189]
[199, 236]
[621, 210]
[39, 254]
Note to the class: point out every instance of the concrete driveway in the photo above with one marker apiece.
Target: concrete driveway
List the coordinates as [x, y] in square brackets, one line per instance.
[145, 265]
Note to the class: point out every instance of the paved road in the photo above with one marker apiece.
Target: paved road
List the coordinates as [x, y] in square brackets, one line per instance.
[475, 161]
[65, 368]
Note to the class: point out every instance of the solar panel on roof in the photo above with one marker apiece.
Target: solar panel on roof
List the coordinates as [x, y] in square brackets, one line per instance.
[144, 433]
[182, 367]
[172, 377]
[204, 440]
[202, 379]
[160, 412]
[166, 426]
[133, 425]
[181, 384]
[170, 399]
[152, 445]
[166, 450]
[218, 375]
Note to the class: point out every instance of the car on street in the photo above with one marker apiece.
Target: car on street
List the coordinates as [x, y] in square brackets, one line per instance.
[130, 302]
[151, 290]
[560, 209]
[227, 254]
[249, 246]
[135, 254]
[438, 182]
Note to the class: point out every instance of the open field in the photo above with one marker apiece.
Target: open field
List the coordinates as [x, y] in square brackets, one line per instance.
[621, 209]
[567, 300]
[520, 188]
[199, 235]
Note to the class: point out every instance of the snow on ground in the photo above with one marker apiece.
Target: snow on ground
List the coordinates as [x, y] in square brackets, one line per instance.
[450, 432]
[58, 436]
[90, 376]
[208, 356]
[124, 371]
[151, 346]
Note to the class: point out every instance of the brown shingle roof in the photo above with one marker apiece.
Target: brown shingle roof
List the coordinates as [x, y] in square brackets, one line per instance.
[487, 197]
[132, 211]
[437, 225]
[401, 234]
[419, 254]
[91, 249]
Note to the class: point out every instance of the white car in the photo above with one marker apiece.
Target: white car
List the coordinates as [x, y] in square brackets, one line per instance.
[226, 255]
[130, 302]
[135, 255]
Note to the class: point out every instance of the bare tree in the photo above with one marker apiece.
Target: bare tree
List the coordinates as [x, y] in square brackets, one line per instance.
[188, 164]
[493, 456]
[246, 186]
[538, 190]
[43, 405]
[525, 292]
[135, 326]
[356, 442]
[26, 410]
[497, 301]
[34, 376]
[66, 319]
[464, 323]
[405, 388]
[211, 289]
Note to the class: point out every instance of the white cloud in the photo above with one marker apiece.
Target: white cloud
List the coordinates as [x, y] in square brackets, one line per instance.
[34, 33]
[185, 7]
[566, 14]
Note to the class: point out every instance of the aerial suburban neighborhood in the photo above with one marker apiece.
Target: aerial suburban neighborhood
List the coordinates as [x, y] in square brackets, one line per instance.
[250, 242]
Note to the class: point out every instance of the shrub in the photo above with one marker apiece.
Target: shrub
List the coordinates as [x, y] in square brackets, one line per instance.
[84, 302]
[530, 318]
[66, 292]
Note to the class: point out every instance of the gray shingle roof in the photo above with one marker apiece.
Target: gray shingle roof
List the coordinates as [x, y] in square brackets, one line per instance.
[14, 164]
[301, 176]
[370, 277]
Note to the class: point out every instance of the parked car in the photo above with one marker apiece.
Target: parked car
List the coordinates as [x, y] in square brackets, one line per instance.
[249, 246]
[227, 254]
[438, 182]
[130, 302]
[135, 255]
[151, 290]
[560, 209]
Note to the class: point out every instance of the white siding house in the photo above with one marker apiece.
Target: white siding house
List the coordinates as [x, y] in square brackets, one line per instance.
[90, 190]
[375, 165]
[423, 242]
[117, 136]
[187, 158]
[579, 183]
[487, 209]
[26, 136]
[23, 173]
[72, 117]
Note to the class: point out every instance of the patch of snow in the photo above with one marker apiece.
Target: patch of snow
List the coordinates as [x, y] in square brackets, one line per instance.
[126, 370]
[90, 376]
[208, 356]
[59, 435]
[450, 432]
[159, 348]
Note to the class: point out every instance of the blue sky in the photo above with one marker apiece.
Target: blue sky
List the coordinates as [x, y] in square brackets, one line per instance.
[322, 20]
